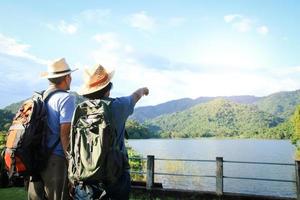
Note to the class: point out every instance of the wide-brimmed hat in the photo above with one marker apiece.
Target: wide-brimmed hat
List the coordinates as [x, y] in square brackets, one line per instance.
[57, 69]
[95, 79]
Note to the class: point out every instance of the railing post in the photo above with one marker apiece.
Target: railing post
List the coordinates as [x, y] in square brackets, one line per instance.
[297, 167]
[150, 172]
[219, 176]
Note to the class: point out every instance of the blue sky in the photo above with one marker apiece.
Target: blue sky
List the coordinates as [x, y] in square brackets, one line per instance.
[176, 48]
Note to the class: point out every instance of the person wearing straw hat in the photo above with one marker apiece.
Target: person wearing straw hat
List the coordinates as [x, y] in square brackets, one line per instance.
[52, 183]
[97, 85]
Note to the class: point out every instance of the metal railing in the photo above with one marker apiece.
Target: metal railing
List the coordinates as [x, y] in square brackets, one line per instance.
[219, 175]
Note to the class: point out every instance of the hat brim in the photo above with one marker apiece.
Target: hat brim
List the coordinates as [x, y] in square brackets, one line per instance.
[49, 75]
[85, 89]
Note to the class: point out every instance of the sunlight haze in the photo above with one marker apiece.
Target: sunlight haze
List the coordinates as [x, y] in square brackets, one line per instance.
[176, 48]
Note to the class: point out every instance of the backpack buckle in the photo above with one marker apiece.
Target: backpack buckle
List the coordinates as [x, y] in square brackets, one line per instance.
[80, 184]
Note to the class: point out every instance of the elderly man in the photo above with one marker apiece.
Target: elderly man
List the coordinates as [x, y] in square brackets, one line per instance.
[52, 183]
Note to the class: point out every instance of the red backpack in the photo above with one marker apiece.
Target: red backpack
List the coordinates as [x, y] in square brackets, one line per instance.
[26, 152]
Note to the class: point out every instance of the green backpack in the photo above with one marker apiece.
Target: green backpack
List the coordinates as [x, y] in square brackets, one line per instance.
[93, 154]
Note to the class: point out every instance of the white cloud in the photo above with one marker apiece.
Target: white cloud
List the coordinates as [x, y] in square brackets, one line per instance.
[236, 75]
[286, 71]
[20, 79]
[142, 21]
[20, 71]
[94, 15]
[263, 30]
[111, 52]
[226, 53]
[169, 85]
[166, 85]
[64, 27]
[67, 28]
[108, 41]
[232, 17]
[244, 25]
[239, 22]
[176, 21]
[179, 82]
[10, 46]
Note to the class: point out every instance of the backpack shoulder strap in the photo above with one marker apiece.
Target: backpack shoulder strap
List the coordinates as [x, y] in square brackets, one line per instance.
[108, 101]
[46, 94]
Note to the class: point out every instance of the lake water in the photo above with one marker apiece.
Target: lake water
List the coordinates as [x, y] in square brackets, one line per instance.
[252, 150]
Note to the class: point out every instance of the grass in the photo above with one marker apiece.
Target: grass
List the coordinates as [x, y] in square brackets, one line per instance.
[19, 193]
[13, 193]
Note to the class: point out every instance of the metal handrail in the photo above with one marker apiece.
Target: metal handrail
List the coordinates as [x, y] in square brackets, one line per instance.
[213, 176]
[227, 161]
[137, 158]
[189, 160]
[260, 179]
[188, 175]
[137, 172]
[259, 163]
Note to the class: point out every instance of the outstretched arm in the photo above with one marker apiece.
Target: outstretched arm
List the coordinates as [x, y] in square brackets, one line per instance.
[139, 93]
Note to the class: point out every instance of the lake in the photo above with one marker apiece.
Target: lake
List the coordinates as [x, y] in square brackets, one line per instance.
[252, 150]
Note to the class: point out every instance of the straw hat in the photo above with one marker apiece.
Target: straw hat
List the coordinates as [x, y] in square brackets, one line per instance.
[95, 79]
[57, 69]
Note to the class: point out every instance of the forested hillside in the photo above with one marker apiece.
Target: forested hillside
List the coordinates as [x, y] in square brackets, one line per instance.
[148, 112]
[142, 114]
[281, 104]
[237, 116]
[5, 119]
[218, 117]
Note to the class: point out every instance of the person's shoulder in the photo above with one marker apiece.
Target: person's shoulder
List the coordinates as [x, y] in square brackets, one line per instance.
[63, 96]
[127, 100]
[63, 93]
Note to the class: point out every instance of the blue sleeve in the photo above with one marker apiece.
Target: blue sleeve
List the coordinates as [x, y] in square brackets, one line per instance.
[67, 108]
[122, 108]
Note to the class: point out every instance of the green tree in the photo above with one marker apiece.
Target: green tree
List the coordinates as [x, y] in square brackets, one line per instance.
[5, 119]
[220, 118]
[136, 130]
[2, 140]
[137, 164]
[296, 134]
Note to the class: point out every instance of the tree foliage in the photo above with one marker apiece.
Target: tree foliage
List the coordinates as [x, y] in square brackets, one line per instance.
[137, 164]
[2, 140]
[249, 116]
[221, 118]
[281, 104]
[136, 130]
[296, 134]
[5, 119]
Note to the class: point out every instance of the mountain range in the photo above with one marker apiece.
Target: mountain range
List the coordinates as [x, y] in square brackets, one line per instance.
[216, 118]
[280, 104]
[247, 116]
[142, 114]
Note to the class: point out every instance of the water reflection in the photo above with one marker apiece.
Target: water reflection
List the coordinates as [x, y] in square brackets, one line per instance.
[278, 151]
